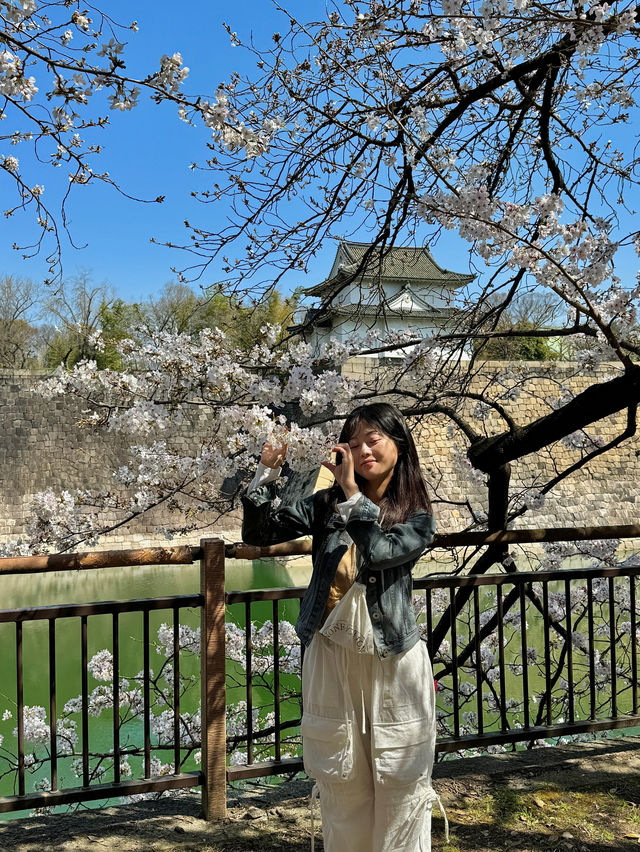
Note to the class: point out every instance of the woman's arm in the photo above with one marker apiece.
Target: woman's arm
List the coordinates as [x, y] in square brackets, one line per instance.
[263, 475]
[261, 524]
[382, 549]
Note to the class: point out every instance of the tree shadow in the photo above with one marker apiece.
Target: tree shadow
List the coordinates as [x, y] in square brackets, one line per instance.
[581, 797]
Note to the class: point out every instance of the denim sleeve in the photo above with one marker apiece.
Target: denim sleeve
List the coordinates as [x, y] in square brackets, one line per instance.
[264, 525]
[386, 548]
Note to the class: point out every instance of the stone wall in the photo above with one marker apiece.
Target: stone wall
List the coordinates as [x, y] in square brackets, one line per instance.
[605, 491]
[41, 446]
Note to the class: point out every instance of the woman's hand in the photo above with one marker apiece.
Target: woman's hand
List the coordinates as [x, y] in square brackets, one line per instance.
[344, 472]
[273, 456]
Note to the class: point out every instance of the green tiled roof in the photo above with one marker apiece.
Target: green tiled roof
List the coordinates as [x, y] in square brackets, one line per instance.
[399, 262]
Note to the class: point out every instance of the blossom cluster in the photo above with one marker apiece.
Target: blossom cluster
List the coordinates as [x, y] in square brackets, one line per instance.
[101, 665]
[220, 116]
[261, 640]
[13, 83]
[165, 383]
[567, 257]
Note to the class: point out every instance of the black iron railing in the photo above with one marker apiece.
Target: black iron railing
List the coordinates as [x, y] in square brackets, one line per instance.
[552, 674]
[51, 615]
[541, 685]
[270, 738]
[526, 656]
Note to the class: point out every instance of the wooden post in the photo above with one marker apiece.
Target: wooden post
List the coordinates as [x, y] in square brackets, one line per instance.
[212, 673]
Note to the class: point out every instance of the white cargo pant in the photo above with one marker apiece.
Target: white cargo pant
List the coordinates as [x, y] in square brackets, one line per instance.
[368, 739]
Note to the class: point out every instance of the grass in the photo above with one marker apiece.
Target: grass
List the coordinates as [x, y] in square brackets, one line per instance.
[548, 818]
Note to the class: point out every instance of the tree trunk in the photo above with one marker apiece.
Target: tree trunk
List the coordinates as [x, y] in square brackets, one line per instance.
[593, 404]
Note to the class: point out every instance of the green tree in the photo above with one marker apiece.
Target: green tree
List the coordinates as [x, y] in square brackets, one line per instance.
[117, 320]
[177, 309]
[274, 309]
[517, 347]
[511, 330]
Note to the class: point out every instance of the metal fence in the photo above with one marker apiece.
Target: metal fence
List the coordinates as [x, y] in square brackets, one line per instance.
[119, 787]
[562, 659]
[539, 669]
[521, 648]
[211, 602]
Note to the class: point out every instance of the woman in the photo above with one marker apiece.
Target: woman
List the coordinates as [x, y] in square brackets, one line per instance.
[368, 726]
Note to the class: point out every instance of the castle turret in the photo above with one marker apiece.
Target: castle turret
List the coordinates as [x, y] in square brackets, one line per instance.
[396, 289]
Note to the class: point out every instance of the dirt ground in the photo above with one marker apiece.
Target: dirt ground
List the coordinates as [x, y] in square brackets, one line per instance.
[584, 798]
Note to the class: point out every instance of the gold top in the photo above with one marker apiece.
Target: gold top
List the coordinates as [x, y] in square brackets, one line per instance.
[342, 582]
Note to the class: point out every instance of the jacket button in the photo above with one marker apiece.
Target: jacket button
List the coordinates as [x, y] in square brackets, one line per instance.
[375, 616]
[372, 579]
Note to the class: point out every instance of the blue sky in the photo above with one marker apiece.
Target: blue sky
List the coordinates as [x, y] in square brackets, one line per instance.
[148, 152]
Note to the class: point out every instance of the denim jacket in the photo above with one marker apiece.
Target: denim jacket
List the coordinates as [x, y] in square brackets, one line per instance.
[387, 558]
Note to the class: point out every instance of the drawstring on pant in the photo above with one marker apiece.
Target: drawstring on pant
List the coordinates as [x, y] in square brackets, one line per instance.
[446, 821]
[348, 662]
[434, 797]
[315, 794]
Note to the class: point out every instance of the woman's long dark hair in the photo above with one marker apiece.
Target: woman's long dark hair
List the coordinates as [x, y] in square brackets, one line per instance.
[406, 492]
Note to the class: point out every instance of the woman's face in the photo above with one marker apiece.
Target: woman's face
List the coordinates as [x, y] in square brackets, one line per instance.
[374, 453]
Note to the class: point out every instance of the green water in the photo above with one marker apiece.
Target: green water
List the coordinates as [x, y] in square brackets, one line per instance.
[107, 585]
[150, 581]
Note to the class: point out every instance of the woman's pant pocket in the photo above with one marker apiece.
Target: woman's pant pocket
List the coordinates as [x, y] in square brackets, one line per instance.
[407, 680]
[327, 748]
[403, 752]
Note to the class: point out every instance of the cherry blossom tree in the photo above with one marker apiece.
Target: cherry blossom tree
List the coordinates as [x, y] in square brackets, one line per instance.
[510, 123]
[62, 69]
[507, 122]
